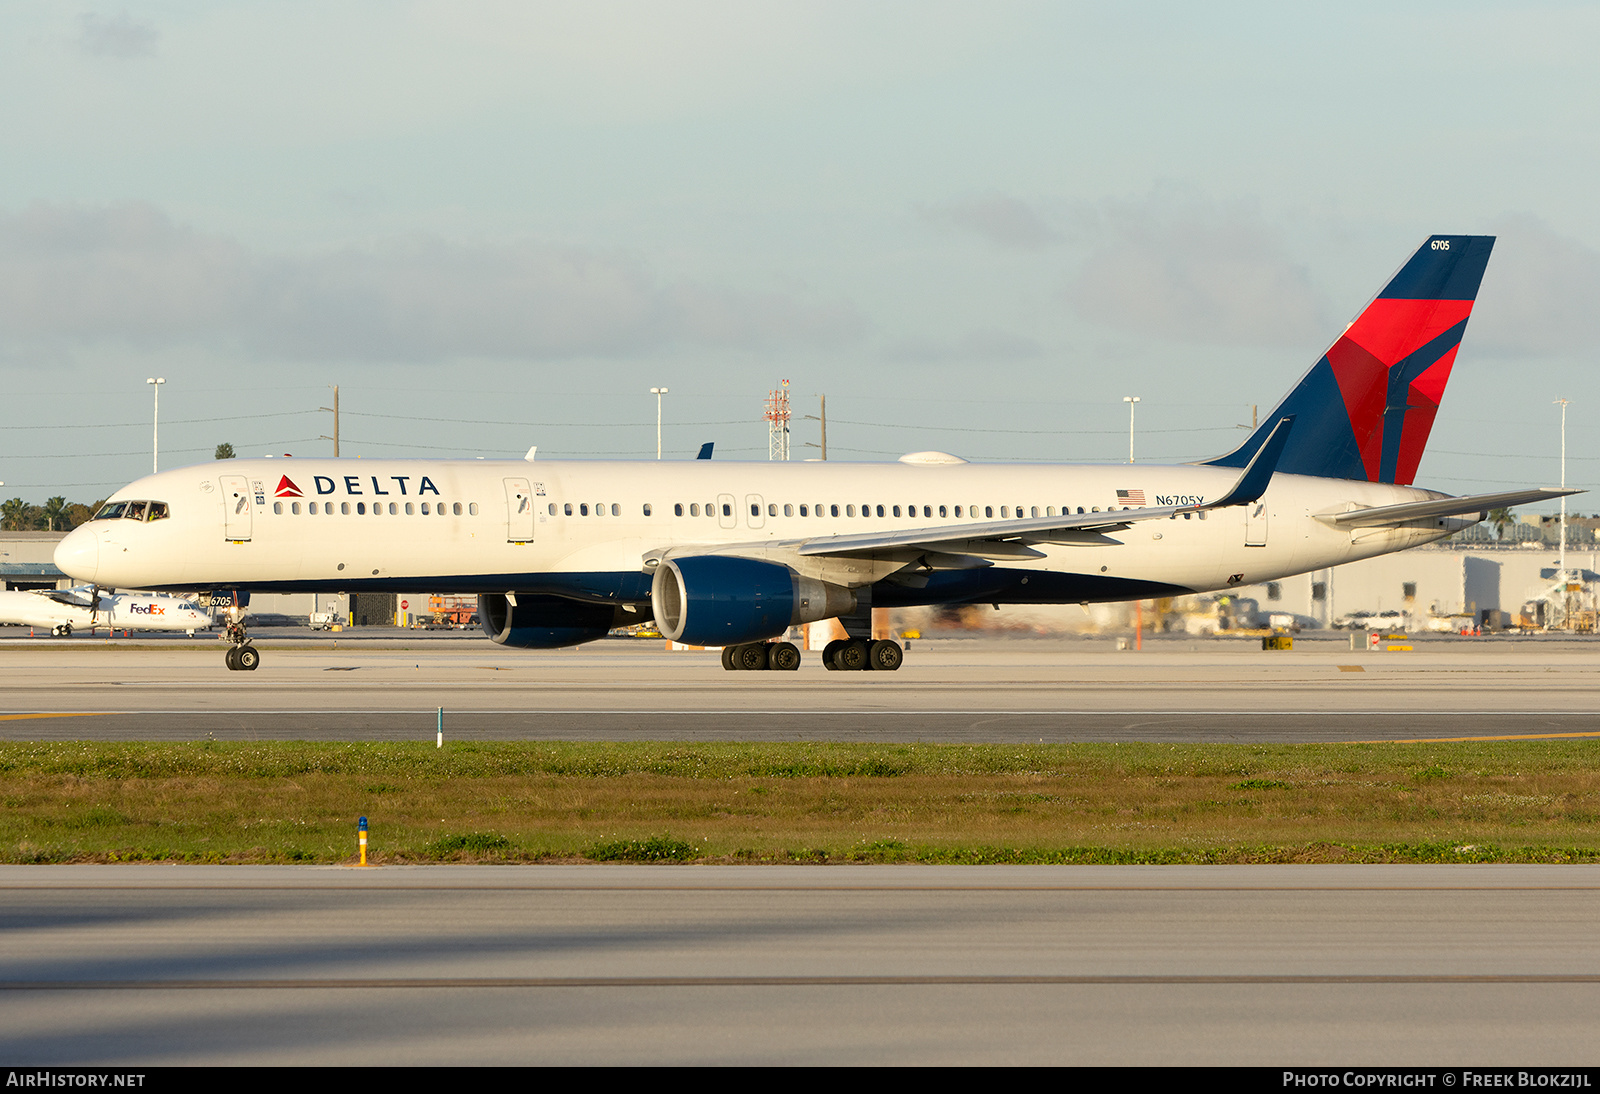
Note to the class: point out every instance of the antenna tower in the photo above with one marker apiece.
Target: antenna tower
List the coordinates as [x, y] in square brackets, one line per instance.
[777, 416]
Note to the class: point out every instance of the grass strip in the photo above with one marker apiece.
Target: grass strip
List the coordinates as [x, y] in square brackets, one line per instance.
[268, 802]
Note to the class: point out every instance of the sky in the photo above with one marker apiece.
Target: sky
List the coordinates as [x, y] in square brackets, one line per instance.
[974, 227]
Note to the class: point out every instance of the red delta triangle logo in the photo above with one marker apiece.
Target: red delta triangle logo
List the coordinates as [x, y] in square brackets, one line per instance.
[287, 489]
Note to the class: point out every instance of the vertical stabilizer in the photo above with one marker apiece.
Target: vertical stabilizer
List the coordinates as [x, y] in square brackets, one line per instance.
[1365, 409]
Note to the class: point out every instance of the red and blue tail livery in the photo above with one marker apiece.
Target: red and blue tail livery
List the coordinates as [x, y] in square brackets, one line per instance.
[1365, 409]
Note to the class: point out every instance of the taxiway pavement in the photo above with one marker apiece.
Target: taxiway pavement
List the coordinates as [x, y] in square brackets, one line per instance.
[950, 690]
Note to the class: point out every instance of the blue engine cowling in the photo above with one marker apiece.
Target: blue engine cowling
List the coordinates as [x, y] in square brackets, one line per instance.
[721, 600]
[542, 622]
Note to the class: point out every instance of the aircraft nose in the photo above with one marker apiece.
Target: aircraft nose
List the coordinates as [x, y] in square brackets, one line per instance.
[78, 555]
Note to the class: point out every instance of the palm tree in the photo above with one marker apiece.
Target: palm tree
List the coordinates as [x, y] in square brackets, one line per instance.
[55, 510]
[1500, 518]
[14, 515]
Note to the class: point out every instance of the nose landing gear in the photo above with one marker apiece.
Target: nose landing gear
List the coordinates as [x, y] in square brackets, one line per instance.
[242, 656]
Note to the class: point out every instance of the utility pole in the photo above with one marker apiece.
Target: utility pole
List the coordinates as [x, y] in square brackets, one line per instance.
[155, 431]
[1130, 400]
[658, 392]
[334, 410]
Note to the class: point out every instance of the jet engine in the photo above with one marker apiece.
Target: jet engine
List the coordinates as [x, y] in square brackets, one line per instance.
[719, 600]
[542, 622]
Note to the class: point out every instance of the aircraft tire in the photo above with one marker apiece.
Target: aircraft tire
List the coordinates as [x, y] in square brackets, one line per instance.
[66, 630]
[247, 658]
[232, 659]
[885, 656]
[830, 654]
[751, 656]
[727, 658]
[852, 656]
[783, 657]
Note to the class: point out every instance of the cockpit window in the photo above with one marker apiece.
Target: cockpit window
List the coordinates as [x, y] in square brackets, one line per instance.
[133, 510]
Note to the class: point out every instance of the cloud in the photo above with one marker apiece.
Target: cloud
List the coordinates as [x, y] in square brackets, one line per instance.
[1539, 293]
[1003, 221]
[131, 273]
[118, 36]
[984, 346]
[1185, 268]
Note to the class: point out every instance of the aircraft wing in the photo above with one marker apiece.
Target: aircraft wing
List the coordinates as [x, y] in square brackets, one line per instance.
[1440, 507]
[1010, 538]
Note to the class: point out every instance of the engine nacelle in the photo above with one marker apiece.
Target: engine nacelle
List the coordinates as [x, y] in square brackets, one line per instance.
[542, 622]
[719, 600]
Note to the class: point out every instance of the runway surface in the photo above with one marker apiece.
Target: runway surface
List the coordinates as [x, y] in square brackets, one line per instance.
[1476, 965]
[995, 690]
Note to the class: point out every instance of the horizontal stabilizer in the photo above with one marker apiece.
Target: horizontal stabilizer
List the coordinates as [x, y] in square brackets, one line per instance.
[1440, 507]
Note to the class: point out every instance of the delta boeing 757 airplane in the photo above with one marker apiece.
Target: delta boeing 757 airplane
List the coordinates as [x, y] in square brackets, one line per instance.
[733, 554]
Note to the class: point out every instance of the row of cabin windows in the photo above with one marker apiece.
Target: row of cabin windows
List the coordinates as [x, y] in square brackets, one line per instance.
[395, 508]
[582, 509]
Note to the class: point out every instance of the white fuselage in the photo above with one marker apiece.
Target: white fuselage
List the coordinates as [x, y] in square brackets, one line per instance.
[498, 526]
[124, 611]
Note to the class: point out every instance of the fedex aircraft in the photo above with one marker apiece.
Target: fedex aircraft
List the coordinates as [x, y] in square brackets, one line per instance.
[733, 554]
[64, 610]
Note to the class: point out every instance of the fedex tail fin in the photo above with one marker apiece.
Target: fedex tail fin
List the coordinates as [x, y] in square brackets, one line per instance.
[1365, 409]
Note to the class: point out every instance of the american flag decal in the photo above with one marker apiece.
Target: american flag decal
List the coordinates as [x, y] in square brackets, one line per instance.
[1130, 497]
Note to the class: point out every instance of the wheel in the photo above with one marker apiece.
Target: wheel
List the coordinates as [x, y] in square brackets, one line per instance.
[885, 656]
[830, 654]
[751, 656]
[783, 657]
[247, 658]
[727, 658]
[232, 659]
[66, 630]
[852, 656]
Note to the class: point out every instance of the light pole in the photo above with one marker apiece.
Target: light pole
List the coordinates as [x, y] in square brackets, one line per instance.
[658, 392]
[1130, 400]
[1562, 403]
[155, 383]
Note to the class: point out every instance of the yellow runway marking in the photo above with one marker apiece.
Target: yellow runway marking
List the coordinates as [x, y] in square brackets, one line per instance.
[1446, 740]
[62, 714]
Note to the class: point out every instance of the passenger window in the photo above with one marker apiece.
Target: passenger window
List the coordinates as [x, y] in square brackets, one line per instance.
[755, 510]
[849, 510]
[361, 508]
[897, 510]
[277, 508]
[472, 508]
[647, 509]
[583, 508]
[772, 509]
[677, 509]
[834, 509]
[394, 510]
[344, 508]
[694, 509]
[727, 510]
[803, 512]
[616, 509]
[552, 508]
[880, 510]
[294, 507]
[455, 507]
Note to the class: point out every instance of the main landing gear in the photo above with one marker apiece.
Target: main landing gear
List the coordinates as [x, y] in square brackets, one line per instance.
[242, 656]
[752, 656]
[858, 654]
[63, 631]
